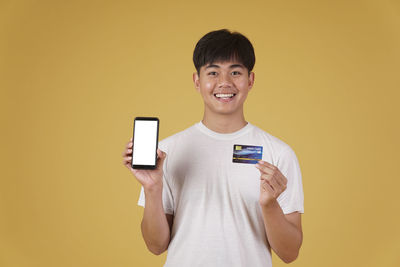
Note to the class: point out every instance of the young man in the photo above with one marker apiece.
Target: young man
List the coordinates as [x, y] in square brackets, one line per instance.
[205, 207]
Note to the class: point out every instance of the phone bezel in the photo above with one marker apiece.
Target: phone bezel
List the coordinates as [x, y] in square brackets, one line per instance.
[145, 167]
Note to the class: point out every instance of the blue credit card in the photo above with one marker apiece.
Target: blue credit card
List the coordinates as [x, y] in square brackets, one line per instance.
[247, 154]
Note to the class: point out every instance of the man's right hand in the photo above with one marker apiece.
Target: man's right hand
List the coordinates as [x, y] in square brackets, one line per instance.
[151, 180]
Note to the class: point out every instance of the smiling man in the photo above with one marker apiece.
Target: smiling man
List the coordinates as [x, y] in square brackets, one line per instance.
[225, 192]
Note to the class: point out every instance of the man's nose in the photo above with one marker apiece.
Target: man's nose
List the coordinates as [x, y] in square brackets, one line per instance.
[224, 80]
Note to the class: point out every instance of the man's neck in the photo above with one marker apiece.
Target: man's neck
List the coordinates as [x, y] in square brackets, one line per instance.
[224, 123]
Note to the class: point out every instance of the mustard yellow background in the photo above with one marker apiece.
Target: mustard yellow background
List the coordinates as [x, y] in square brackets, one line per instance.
[74, 74]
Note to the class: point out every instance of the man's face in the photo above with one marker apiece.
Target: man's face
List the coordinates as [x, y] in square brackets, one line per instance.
[224, 86]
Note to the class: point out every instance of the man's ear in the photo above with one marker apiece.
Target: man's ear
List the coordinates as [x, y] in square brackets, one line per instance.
[251, 80]
[196, 81]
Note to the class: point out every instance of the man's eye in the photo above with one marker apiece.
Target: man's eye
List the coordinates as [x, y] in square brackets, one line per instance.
[212, 73]
[235, 73]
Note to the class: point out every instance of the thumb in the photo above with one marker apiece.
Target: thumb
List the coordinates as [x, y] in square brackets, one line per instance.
[161, 157]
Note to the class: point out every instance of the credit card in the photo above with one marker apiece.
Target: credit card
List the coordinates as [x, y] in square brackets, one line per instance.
[247, 154]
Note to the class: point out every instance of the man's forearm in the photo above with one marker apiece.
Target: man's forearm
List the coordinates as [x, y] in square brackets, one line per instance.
[155, 227]
[284, 238]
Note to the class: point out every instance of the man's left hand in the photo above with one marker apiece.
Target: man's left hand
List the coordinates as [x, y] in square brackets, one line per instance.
[272, 182]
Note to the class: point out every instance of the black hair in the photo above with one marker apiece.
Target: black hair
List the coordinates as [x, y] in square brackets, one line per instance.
[223, 45]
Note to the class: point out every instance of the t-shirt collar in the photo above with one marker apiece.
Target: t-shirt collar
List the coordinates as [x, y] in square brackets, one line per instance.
[224, 136]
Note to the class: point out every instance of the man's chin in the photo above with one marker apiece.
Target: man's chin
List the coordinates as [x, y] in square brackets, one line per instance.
[224, 111]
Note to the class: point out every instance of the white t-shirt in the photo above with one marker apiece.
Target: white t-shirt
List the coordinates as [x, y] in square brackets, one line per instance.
[217, 217]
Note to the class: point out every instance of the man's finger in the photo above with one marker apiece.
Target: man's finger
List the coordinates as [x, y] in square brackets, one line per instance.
[274, 179]
[127, 152]
[129, 145]
[275, 185]
[267, 164]
[282, 180]
[265, 177]
[267, 186]
[127, 159]
[161, 155]
[264, 169]
[279, 181]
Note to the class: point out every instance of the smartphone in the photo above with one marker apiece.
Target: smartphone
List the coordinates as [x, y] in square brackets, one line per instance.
[145, 143]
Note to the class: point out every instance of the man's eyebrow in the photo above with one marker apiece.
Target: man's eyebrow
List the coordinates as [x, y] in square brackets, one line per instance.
[236, 66]
[212, 66]
[231, 66]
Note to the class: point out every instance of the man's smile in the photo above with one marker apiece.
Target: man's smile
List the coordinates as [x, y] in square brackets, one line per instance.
[224, 97]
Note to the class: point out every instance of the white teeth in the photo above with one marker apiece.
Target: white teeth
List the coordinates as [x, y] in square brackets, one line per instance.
[224, 95]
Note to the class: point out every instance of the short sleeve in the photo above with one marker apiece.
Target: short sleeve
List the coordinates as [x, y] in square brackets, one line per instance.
[292, 199]
[166, 198]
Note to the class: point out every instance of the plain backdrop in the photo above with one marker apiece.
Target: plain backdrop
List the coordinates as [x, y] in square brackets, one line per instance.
[74, 74]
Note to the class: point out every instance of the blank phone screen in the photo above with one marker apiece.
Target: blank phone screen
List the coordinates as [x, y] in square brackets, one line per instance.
[144, 143]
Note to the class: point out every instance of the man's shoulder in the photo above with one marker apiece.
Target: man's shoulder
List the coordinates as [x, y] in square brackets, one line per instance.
[280, 149]
[275, 142]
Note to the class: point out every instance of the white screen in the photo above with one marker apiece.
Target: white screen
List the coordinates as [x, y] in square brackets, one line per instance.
[144, 143]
